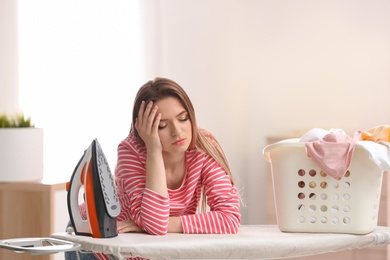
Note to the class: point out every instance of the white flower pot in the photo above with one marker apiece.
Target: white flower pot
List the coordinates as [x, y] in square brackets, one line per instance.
[21, 154]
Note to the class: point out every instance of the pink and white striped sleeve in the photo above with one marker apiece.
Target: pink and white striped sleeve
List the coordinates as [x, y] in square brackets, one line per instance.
[148, 209]
[222, 197]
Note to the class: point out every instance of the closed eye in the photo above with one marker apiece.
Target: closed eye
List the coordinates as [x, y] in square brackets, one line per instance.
[184, 119]
[181, 117]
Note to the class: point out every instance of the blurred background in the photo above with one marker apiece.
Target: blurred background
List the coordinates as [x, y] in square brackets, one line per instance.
[256, 70]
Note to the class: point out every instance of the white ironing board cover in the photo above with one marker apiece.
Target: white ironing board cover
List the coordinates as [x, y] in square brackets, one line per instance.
[251, 242]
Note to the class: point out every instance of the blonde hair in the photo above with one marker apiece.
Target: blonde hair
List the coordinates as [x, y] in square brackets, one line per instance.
[210, 145]
[160, 88]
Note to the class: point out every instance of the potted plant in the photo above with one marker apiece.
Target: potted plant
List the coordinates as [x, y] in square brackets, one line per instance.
[21, 149]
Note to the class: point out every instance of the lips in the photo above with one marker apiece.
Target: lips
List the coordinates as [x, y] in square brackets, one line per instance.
[179, 142]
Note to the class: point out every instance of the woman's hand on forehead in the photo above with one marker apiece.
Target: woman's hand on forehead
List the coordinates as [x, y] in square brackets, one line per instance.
[147, 124]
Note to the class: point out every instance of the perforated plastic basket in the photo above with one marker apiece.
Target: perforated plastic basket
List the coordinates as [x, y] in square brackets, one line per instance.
[309, 200]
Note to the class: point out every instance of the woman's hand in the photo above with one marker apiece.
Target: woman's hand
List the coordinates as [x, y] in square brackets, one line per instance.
[128, 226]
[147, 125]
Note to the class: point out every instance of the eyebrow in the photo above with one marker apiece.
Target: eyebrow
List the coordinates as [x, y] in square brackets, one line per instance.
[178, 115]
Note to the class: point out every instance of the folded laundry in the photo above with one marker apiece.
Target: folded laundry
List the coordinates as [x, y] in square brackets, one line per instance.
[332, 150]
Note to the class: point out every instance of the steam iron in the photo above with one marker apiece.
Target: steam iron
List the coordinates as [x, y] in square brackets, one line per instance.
[100, 196]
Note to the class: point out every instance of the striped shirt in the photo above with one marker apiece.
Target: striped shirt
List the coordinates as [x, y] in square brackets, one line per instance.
[151, 211]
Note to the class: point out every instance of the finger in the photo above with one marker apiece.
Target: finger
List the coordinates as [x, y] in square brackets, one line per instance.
[132, 228]
[119, 225]
[122, 230]
[122, 227]
[136, 124]
[156, 122]
[141, 112]
[148, 110]
[152, 117]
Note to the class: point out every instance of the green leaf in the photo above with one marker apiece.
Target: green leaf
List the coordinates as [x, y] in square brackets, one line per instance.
[17, 121]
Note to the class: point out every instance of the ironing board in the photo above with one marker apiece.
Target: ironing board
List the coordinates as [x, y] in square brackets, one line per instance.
[251, 242]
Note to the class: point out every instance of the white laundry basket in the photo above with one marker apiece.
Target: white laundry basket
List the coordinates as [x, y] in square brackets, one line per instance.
[309, 200]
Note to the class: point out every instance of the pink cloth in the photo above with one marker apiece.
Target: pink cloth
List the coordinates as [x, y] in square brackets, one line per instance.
[333, 153]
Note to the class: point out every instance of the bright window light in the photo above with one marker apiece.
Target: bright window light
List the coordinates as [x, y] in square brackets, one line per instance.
[80, 67]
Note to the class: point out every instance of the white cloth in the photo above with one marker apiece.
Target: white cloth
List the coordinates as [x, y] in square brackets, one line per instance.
[251, 242]
[379, 153]
[318, 133]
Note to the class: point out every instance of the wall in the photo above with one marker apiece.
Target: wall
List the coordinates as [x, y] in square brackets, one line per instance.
[8, 57]
[268, 68]
[260, 68]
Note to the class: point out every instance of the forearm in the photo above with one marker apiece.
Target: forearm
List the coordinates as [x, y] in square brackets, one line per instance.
[213, 222]
[152, 214]
[155, 173]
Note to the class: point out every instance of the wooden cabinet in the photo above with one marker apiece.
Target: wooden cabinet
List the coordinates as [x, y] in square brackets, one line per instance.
[31, 209]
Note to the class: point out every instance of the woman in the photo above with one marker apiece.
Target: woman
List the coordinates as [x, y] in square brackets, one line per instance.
[167, 164]
[168, 170]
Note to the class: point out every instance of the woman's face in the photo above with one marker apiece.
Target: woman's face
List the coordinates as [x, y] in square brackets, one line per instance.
[175, 128]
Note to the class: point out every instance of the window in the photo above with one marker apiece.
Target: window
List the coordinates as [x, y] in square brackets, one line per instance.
[79, 69]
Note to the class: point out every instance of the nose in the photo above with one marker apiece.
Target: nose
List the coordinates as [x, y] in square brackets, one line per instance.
[175, 130]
